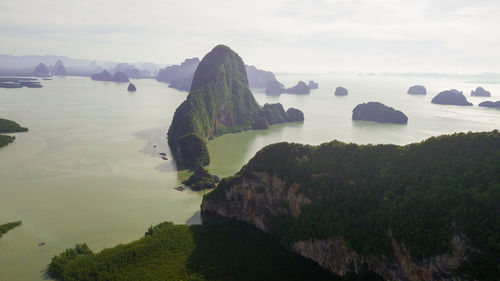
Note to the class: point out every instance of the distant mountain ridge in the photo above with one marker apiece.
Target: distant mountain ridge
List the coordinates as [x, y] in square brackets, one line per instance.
[23, 65]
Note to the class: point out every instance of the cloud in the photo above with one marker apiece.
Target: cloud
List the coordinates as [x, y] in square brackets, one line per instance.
[289, 36]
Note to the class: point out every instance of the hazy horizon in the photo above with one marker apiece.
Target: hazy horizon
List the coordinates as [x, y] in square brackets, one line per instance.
[281, 36]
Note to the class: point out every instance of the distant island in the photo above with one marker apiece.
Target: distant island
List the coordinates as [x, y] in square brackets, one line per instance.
[219, 102]
[131, 87]
[300, 89]
[378, 112]
[341, 91]
[106, 76]
[490, 104]
[417, 90]
[19, 82]
[346, 205]
[276, 88]
[258, 78]
[8, 226]
[451, 97]
[41, 70]
[480, 92]
[58, 69]
[313, 85]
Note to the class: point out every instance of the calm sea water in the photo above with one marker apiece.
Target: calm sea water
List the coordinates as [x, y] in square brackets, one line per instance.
[88, 171]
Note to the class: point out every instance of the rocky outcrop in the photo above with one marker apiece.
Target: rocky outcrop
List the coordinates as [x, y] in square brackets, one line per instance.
[59, 69]
[451, 97]
[41, 70]
[181, 76]
[131, 87]
[219, 102]
[103, 76]
[378, 112]
[480, 92]
[294, 115]
[106, 76]
[341, 91]
[120, 77]
[300, 89]
[261, 124]
[184, 70]
[274, 88]
[131, 71]
[417, 90]
[490, 104]
[201, 179]
[182, 84]
[258, 78]
[313, 85]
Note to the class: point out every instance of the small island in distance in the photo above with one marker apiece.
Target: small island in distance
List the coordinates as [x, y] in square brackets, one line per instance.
[480, 92]
[451, 97]
[341, 91]
[106, 76]
[378, 112]
[417, 90]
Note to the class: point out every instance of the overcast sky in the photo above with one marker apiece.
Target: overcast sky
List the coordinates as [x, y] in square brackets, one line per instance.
[454, 36]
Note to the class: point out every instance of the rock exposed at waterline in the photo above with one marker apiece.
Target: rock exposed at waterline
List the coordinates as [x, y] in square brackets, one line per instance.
[490, 104]
[131, 87]
[341, 91]
[378, 112]
[41, 70]
[451, 97]
[201, 179]
[300, 89]
[274, 88]
[480, 92]
[417, 90]
[102, 76]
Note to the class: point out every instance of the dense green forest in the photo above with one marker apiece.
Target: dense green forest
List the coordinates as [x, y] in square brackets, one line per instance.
[421, 194]
[217, 250]
[8, 226]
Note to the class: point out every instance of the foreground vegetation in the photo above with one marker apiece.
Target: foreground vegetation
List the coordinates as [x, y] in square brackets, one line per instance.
[8, 126]
[5, 140]
[8, 226]
[419, 194]
[216, 250]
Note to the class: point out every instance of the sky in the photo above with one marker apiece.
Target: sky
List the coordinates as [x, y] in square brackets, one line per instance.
[298, 36]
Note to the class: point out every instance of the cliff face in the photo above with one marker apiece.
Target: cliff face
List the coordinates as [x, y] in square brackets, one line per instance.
[334, 255]
[347, 206]
[259, 197]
